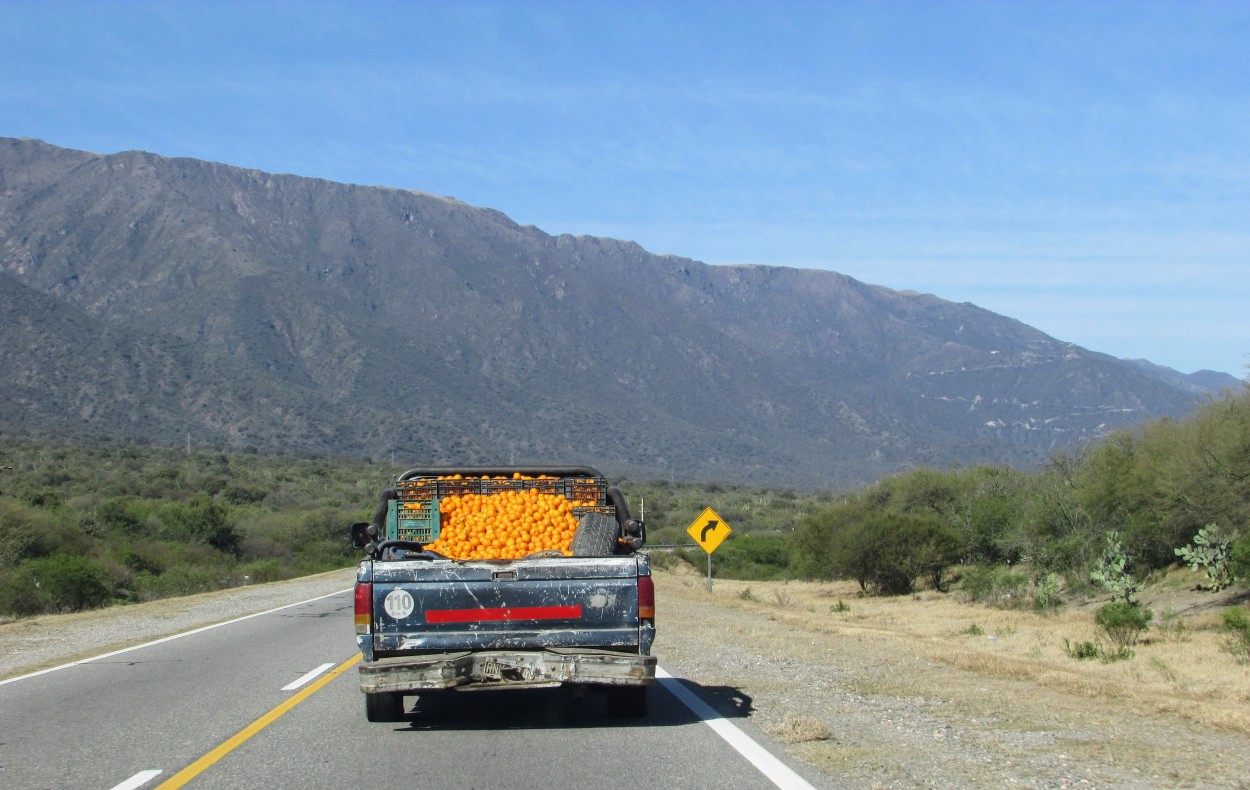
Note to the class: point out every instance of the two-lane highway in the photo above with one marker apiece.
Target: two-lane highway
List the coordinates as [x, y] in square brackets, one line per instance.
[273, 700]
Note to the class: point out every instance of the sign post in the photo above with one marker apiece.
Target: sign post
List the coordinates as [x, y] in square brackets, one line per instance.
[709, 530]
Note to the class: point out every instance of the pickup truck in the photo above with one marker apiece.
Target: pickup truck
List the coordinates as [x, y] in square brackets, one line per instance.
[503, 578]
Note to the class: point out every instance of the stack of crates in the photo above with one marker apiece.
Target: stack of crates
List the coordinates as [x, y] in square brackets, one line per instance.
[414, 513]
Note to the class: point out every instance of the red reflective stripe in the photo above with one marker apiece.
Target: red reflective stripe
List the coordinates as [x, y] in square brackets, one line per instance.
[510, 613]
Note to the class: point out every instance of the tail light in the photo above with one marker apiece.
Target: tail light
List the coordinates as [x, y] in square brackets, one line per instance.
[646, 598]
[364, 607]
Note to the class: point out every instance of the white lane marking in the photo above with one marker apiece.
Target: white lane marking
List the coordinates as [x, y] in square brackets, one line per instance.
[777, 772]
[138, 780]
[169, 638]
[302, 679]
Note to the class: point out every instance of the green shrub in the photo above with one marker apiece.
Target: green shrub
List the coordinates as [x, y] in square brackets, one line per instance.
[43, 496]
[1239, 560]
[62, 583]
[179, 580]
[993, 585]
[244, 494]
[201, 520]
[1237, 626]
[16, 532]
[20, 595]
[124, 514]
[884, 552]
[263, 571]
[753, 557]
[1123, 623]
[1081, 650]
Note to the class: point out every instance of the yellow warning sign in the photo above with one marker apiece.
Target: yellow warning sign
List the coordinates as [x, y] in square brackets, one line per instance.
[708, 530]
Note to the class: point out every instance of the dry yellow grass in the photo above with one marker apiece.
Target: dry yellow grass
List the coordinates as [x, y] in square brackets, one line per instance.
[1188, 673]
[929, 691]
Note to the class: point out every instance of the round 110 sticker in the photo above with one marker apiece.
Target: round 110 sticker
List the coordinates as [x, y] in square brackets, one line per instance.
[398, 604]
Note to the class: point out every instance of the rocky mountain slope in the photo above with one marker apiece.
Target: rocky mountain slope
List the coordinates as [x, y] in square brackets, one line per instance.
[146, 296]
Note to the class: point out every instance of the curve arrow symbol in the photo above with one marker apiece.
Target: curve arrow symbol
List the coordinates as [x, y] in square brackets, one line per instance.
[709, 527]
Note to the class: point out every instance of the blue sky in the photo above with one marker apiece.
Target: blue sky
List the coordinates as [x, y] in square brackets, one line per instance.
[1083, 167]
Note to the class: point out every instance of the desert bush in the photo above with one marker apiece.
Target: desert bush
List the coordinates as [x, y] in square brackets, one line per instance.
[263, 571]
[753, 557]
[19, 593]
[17, 531]
[201, 520]
[997, 586]
[1081, 650]
[1123, 623]
[1237, 627]
[179, 580]
[46, 497]
[124, 514]
[884, 552]
[60, 583]
[1239, 560]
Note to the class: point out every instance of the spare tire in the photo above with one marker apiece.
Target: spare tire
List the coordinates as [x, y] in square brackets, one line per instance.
[595, 536]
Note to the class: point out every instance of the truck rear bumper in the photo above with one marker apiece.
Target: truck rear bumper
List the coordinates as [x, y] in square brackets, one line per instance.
[505, 668]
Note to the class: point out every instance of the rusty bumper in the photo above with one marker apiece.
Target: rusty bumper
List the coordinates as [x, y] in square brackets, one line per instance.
[505, 668]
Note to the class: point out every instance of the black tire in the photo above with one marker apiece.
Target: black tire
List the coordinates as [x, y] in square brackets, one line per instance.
[385, 706]
[595, 536]
[627, 702]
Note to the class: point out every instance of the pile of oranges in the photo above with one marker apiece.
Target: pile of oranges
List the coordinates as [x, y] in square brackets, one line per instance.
[505, 525]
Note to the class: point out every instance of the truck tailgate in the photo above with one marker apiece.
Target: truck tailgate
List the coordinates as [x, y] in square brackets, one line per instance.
[535, 603]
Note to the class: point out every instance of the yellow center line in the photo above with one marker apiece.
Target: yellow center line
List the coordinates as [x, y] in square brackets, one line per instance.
[199, 766]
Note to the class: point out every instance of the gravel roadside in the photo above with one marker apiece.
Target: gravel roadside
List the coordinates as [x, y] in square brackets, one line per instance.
[868, 712]
[876, 712]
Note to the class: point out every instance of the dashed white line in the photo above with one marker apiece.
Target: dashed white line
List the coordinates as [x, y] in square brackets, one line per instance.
[302, 679]
[138, 780]
[777, 772]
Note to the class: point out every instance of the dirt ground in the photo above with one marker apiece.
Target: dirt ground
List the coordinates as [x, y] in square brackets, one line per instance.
[926, 691]
[921, 691]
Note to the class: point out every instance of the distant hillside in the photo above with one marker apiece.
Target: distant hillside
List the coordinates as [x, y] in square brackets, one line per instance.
[1200, 382]
[158, 297]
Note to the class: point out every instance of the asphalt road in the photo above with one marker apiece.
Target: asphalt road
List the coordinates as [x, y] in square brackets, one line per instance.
[273, 701]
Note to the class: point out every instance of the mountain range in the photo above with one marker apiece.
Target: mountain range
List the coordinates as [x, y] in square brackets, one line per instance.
[182, 300]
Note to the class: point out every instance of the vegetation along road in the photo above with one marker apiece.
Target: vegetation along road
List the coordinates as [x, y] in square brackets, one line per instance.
[861, 692]
[1084, 623]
